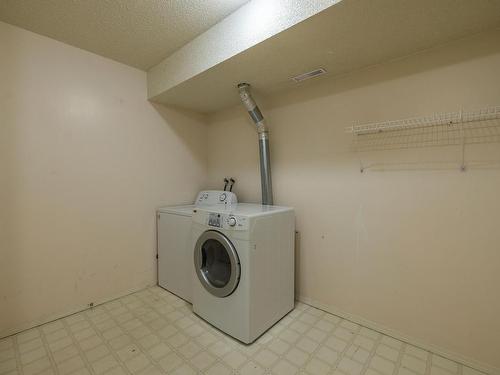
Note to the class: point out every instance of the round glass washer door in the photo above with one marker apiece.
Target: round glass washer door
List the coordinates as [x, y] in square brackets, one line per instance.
[216, 263]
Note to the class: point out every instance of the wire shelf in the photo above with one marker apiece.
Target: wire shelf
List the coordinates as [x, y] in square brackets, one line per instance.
[430, 136]
[452, 119]
[446, 129]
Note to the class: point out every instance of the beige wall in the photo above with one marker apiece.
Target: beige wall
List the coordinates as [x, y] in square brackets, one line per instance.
[84, 161]
[411, 247]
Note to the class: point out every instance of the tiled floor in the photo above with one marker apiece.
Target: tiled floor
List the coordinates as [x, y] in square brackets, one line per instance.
[154, 332]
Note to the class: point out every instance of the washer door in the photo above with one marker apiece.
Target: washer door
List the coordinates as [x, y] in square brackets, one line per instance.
[216, 263]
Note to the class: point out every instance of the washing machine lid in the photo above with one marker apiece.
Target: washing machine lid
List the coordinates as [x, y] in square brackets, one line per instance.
[247, 209]
[216, 263]
[183, 210]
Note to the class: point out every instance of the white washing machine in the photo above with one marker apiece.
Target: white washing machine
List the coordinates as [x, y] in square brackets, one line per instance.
[175, 265]
[243, 279]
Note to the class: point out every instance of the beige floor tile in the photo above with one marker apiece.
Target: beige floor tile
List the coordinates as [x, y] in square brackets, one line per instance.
[60, 344]
[37, 366]
[414, 364]
[28, 346]
[97, 353]
[299, 326]
[307, 345]
[284, 367]
[297, 356]
[219, 348]
[119, 342]
[202, 360]
[360, 355]
[177, 340]
[405, 371]
[350, 366]
[71, 365]
[117, 371]
[266, 358]
[278, 346]
[152, 370]
[317, 367]
[159, 351]
[104, 364]
[251, 368]
[28, 335]
[234, 359]
[387, 352]
[343, 333]
[90, 342]
[128, 351]
[8, 366]
[29, 357]
[325, 326]
[218, 369]
[149, 341]
[382, 365]
[184, 370]
[56, 335]
[316, 334]
[7, 354]
[327, 355]
[308, 318]
[194, 330]
[336, 344]
[170, 362]
[153, 332]
[189, 350]
[205, 339]
[83, 371]
[79, 326]
[137, 363]
[65, 353]
[289, 336]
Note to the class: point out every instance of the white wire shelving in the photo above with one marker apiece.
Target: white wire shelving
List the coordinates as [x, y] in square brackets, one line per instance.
[446, 129]
[450, 119]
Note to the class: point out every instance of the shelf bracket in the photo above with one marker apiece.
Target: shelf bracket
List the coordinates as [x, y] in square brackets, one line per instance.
[463, 143]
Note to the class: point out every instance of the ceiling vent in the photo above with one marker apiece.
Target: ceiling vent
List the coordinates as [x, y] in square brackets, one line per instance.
[311, 74]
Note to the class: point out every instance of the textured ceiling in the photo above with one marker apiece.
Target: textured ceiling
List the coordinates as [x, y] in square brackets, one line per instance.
[137, 33]
[345, 37]
[245, 28]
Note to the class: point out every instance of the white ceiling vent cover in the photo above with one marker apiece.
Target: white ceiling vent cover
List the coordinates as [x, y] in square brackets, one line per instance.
[311, 74]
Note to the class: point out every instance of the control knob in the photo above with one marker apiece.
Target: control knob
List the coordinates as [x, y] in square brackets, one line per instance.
[231, 221]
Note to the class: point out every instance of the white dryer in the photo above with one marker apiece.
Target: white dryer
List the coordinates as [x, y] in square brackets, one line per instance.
[243, 279]
[175, 266]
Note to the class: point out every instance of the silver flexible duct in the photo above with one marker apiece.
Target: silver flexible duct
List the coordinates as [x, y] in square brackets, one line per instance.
[265, 161]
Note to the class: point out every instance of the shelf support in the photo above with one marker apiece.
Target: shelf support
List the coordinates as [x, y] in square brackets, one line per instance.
[462, 136]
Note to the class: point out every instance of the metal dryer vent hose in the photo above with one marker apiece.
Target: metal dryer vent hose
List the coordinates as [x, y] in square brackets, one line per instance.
[265, 161]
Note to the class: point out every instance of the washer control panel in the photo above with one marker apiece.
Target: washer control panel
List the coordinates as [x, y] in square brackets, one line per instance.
[214, 220]
[215, 197]
[221, 220]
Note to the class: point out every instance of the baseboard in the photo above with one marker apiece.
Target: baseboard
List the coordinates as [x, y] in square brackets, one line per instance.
[400, 336]
[51, 318]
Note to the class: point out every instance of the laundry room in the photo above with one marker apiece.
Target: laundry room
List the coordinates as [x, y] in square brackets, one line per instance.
[249, 187]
